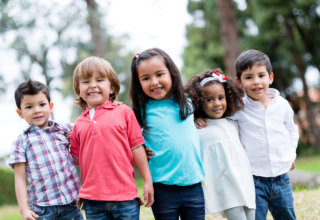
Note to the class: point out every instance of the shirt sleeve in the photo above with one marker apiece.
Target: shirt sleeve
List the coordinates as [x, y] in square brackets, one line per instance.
[291, 126]
[18, 152]
[133, 129]
[75, 142]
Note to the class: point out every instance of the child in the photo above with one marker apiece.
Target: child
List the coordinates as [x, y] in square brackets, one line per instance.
[41, 155]
[228, 184]
[106, 139]
[165, 115]
[268, 134]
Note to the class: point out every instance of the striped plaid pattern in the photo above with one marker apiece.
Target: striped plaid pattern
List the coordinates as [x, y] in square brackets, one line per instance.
[51, 174]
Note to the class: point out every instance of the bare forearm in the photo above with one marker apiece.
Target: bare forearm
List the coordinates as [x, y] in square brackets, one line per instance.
[21, 187]
[141, 161]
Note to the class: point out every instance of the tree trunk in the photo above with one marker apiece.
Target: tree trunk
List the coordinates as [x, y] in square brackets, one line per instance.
[99, 46]
[313, 128]
[229, 35]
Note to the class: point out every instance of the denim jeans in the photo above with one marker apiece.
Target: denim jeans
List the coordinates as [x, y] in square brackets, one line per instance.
[172, 201]
[58, 212]
[108, 210]
[275, 194]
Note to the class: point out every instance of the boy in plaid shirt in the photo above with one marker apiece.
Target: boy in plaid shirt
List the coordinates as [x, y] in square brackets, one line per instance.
[40, 156]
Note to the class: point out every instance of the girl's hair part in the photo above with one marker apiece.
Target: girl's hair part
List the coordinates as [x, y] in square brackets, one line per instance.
[140, 99]
[195, 91]
[85, 70]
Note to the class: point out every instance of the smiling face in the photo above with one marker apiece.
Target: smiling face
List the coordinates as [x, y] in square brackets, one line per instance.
[35, 109]
[155, 78]
[255, 81]
[215, 101]
[96, 90]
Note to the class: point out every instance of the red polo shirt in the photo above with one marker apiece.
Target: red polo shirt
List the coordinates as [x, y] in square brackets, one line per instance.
[103, 147]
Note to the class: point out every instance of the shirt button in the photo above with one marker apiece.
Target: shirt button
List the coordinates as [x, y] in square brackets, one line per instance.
[94, 122]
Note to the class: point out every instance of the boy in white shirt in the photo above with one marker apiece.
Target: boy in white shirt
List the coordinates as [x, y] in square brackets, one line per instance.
[268, 134]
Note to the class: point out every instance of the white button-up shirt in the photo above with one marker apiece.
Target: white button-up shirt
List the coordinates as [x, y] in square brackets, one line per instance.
[269, 136]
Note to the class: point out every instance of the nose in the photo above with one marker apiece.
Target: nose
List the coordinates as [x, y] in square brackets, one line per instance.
[92, 83]
[37, 109]
[256, 80]
[154, 81]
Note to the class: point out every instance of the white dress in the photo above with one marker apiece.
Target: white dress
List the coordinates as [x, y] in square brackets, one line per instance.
[228, 181]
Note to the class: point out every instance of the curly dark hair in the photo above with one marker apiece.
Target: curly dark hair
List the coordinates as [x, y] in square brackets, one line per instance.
[195, 91]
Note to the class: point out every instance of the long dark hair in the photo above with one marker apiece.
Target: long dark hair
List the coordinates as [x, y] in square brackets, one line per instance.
[140, 99]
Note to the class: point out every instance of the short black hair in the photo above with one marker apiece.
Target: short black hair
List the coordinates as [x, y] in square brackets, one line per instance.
[249, 58]
[30, 87]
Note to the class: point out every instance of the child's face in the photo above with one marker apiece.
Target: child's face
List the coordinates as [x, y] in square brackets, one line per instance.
[35, 109]
[255, 81]
[155, 78]
[215, 101]
[96, 90]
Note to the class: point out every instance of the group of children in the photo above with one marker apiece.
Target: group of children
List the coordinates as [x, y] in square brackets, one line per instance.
[235, 164]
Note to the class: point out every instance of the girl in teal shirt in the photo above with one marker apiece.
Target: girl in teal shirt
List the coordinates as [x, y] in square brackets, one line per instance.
[166, 116]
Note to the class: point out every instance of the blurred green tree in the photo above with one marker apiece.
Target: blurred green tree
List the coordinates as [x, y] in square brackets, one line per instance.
[49, 42]
[287, 31]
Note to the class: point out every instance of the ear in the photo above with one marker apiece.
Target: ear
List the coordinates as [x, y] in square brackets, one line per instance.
[271, 76]
[238, 82]
[19, 113]
[51, 106]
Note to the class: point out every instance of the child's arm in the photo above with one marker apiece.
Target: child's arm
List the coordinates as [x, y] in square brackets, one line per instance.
[20, 178]
[140, 159]
[200, 123]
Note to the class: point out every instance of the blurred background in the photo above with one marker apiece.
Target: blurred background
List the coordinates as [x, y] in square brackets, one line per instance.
[44, 40]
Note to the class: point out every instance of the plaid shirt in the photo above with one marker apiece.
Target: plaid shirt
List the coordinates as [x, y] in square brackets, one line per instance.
[51, 173]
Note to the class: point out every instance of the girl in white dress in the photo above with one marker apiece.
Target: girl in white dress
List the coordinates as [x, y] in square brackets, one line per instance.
[228, 185]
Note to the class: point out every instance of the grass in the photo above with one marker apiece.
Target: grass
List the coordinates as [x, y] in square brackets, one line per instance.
[306, 202]
[310, 163]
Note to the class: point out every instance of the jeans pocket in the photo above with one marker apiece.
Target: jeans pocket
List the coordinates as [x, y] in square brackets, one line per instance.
[39, 210]
[256, 180]
[284, 180]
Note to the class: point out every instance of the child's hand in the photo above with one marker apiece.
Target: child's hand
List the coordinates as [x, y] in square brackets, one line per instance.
[116, 102]
[68, 135]
[149, 152]
[200, 123]
[27, 214]
[293, 165]
[148, 194]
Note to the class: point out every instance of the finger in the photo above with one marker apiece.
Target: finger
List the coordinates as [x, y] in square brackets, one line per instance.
[34, 215]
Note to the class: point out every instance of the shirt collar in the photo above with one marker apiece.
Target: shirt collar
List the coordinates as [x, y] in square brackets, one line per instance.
[53, 126]
[107, 105]
[271, 93]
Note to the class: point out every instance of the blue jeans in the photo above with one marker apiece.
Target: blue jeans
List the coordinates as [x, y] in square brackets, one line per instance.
[107, 210]
[171, 201]
[59, 212]
[275, 194]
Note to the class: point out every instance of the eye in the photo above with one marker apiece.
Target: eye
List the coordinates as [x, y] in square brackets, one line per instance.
[209, 99]
[262, 75]
[28, 107]
[160, 74]
[221, 97]
[85, 82]
[247, 77]
[100, 80]
[43, 104]
[144, 78]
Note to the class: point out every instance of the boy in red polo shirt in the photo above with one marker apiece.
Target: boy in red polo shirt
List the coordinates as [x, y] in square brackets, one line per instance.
[107, 139]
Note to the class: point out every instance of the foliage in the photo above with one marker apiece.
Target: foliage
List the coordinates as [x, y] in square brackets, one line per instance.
[7, 193]
[49, 42]
[204, 49]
